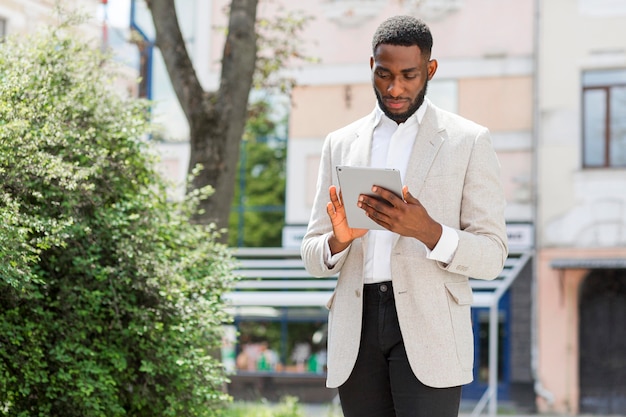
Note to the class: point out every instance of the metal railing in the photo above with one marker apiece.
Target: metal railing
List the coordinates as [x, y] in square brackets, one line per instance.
[275, 277]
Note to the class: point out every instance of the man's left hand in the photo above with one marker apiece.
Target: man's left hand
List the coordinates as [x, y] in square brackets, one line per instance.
[406, 217]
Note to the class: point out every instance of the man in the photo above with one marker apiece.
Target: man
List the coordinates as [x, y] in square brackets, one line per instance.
[400, 340]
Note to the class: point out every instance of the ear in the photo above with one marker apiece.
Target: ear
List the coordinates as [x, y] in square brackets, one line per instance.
[371, 62]
[432, 68]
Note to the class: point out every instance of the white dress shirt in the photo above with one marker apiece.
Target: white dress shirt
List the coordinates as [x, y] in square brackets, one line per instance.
[391, 148]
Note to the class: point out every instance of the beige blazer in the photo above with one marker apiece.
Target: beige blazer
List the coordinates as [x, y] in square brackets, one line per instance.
[454, 172]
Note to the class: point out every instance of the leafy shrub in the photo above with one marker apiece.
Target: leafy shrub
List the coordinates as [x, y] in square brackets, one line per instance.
[109, 298]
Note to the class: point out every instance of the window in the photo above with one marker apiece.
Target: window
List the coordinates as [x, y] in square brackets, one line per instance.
[291, 340]
[3, 28]
[604, 118]
[602, 8]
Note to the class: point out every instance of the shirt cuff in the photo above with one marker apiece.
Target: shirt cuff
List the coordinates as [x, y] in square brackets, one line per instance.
[331, 260]
[446, 247]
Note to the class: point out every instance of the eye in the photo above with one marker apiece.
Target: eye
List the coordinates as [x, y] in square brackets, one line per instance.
[410, 76]
[383, 75]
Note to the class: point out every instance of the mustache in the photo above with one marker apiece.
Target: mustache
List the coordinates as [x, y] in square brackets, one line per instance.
[388, 97]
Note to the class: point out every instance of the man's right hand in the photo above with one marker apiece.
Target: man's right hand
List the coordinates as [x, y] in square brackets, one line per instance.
[343, 235]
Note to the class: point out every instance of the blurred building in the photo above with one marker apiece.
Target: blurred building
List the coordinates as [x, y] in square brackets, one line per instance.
[547, 77]
[24, 16]
[486, 73]
[21, 17]
[580, 290]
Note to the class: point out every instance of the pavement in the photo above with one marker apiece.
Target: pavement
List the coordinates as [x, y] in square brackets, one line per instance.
[334, 410]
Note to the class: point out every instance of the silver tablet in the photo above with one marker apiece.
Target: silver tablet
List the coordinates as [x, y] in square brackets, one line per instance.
[354, 181]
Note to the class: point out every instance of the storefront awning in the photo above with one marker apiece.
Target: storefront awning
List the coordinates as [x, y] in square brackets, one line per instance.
[589, 263]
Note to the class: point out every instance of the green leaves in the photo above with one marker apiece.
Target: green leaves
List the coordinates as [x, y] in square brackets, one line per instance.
[110, 299]
[258, 210]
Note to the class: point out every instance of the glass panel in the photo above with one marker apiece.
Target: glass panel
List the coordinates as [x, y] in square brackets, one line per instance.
[306, 347]
[259, 346]
[594, 113]
[294, 344]
[617, 144]
[483, 345]
[603, 78]
[602, 8]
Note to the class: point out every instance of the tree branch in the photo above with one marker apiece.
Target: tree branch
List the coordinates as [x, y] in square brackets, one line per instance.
[240, 50]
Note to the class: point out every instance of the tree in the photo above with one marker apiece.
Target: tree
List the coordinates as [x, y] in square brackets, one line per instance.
[110, 298]
[217, 119]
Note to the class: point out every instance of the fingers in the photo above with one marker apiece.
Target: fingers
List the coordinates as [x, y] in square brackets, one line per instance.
[335, 197]
[407, 195]
[375, 208]
[334, 207]
[330, 210]
[381, 201]
[385, 207]
[390, 197]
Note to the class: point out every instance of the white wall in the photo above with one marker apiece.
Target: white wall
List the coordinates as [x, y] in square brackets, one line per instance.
[577, 207]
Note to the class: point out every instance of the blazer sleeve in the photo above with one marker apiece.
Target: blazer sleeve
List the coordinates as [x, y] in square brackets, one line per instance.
[320, 227]
[482, 248]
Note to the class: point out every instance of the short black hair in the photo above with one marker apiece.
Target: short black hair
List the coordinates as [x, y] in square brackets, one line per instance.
[403, 31]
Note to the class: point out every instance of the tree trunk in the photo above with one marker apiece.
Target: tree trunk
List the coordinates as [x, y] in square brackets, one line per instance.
[216, 119]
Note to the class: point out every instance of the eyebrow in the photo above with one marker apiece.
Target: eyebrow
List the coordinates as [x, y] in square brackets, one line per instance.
[404, 71]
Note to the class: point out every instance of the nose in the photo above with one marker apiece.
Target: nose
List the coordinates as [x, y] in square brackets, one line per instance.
[394, 88]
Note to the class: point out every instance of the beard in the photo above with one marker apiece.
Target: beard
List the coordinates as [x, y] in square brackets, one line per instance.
[402, 117]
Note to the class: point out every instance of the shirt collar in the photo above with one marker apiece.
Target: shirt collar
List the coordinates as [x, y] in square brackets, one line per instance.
[418, 116]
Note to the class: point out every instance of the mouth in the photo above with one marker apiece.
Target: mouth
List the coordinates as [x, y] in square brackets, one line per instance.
[395, 103]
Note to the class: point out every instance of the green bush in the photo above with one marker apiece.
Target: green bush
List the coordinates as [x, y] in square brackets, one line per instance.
[110, 300]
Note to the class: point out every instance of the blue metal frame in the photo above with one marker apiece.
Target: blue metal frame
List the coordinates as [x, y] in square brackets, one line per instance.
[148, 52]
[241, 208]
[475, 390]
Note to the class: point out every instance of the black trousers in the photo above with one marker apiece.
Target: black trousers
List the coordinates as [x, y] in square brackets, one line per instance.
[382, 383]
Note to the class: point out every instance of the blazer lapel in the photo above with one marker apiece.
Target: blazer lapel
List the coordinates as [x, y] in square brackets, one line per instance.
[427, 143]
[362, 146]
[361, 154]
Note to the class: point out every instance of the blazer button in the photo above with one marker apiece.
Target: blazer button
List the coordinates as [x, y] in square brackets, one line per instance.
[357, 293]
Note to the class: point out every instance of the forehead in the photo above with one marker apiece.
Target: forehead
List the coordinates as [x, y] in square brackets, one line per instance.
[398, 56]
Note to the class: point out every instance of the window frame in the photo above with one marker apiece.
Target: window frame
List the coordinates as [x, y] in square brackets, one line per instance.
[607, 88]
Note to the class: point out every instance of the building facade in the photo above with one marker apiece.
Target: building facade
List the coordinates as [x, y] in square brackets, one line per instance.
[21, 17]
[581, 207]
[486, 55]
[24, 16]
[548, 78]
